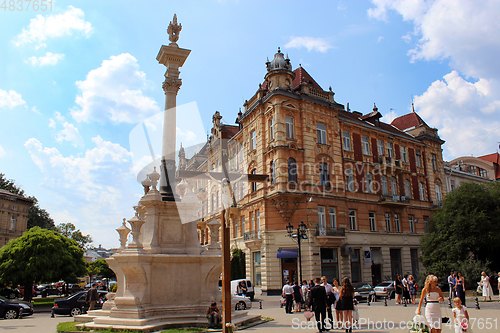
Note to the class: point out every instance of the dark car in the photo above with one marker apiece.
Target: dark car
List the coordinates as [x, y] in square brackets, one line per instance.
[10, 293]
[74, 288]
[385, 289]
[363, 292]
[14, 309]
[75, 305]
[49, 290]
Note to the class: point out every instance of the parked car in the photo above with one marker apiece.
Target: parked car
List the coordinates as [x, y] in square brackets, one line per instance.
[75, 305]
[250, 291]
[74, 288]
[10, 293]
[14, 309]
[385, 289]
[50, 290]
[363, 292]
[34, 292]
[241, 302]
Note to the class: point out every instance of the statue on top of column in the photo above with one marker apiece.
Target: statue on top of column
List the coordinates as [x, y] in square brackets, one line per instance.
[173, 31]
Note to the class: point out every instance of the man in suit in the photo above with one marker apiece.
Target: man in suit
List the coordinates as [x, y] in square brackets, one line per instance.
[318, 303]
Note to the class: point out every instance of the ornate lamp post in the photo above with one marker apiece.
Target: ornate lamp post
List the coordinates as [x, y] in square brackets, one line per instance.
[298, 237]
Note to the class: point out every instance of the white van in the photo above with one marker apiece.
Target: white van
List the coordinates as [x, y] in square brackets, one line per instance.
[234, 287]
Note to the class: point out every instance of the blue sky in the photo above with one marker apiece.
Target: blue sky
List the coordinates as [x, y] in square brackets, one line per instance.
[77, 79]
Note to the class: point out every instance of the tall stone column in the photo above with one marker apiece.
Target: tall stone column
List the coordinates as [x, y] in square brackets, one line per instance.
[173, 58]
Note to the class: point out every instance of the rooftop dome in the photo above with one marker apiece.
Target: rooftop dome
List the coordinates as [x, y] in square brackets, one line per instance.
[279, 62]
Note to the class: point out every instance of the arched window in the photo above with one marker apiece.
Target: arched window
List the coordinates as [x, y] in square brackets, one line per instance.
[273, 172]
[292, 170]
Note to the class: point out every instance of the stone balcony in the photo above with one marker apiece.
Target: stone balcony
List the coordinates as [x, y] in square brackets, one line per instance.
[252, 240]
[330, 237]
[394, 200]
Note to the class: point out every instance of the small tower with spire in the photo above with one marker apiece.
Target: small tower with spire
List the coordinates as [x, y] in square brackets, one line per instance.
[279, 72]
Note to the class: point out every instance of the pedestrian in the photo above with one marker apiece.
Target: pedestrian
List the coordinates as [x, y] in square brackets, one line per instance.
[318, 304]
[305, 293]
[346, 297]
[451, 285]
[460, 287]
[412, 289]
[287, 293]
[398, 285]
[338, 304]
[329, 299]
[460, 317]
[297, 295]
[434, 295]
[485, 283]
[92, 297]
[406, 290]
[213, 315]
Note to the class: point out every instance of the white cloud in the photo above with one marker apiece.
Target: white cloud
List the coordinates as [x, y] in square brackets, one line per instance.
[69, 133]
[114, 92]
[52, 123]
[10, 99]
[42, 28]
[466, 114]
[2, 152]
[311, 43]
[380, 38]
[48, 59]
[463, 31]
[34, 109]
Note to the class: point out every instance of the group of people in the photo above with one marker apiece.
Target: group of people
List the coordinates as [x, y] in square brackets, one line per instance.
[405, 289]
[322, 298]
[456, 283]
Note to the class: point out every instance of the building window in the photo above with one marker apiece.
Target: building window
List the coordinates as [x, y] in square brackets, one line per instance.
[411, 224]
[254, 184]
[355, 266]
[321, 220]
[380, 148]
[414, 262]
[235, 228]
[333, 218]
[292, 170]
[404, 157]
[243, 228]
[253, 141]
[212, 206]
[452, 184]
[366, 146]
[252, 222]
[347, 140]
[329, 263]
[426, 223]
[389, 150]
[397, 225]
[421, 188]
[349, 179]
[394, 187]
[434, 162]
[257, 276]
[321, 132]
[369, 183]
[385, 188]
[418, 158]
[289, 128]
[439, 198]
[13, 222]
[352, 220]
[371, 217]
[273, 172]
[396, 265]
[271, 129]
[407, 189]
[217, 204]
[257, 227]
[388, 222]
[324, 174]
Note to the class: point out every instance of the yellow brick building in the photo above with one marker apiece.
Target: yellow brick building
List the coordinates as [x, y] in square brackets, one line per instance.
[13, 216]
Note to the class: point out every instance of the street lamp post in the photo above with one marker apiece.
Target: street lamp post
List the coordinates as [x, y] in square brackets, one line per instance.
[298, 237]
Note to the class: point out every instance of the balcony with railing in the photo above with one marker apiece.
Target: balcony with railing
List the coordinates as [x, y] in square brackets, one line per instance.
[330, 237]
[394, 200]
[253, 239]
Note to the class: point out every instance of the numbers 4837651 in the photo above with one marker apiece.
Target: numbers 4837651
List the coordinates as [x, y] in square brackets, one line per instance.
[26, 5]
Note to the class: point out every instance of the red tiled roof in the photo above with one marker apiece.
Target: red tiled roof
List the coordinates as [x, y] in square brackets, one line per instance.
[231, 130]
[495, 158]
[301, 75]
[408, 120]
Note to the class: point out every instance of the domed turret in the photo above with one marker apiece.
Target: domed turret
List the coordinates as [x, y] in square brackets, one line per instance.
[279, 62]
[279, 72]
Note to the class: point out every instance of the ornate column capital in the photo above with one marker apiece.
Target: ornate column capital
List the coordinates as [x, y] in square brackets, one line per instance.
[171, 85]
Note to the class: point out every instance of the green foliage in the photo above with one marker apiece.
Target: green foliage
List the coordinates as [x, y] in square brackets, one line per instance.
[113, 288]
[69, 230]
[10, 185]
[471, 270]
[238, 265]
[465, 231]
[100, 267]
[40, 255]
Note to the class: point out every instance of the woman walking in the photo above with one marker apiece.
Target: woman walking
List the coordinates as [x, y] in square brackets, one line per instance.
[297, 295]
[432, 310]
[412, 289]
[338, 304]
[485, 283]
[398, 285]
[460, 287]
[346, 297]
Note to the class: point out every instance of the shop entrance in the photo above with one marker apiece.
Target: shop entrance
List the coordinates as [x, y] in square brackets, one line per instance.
[288, 270]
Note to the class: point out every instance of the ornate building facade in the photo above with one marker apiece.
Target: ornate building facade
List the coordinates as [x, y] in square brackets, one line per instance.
[364, 189]
[13, 216]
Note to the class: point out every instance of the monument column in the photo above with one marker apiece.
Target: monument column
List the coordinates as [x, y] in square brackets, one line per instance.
[172, 57]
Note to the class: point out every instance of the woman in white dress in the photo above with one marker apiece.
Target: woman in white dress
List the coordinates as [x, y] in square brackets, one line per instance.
[337, 305]
[432, 310]
[485, 283]
[460, 317]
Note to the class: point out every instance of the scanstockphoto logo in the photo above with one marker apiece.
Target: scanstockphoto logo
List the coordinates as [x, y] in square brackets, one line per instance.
[146, 143]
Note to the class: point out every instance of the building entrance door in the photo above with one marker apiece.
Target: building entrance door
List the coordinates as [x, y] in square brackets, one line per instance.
[376, 274]
[288, 270]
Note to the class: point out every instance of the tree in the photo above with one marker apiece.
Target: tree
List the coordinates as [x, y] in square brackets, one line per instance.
[237, 265]
[36, 215]
[465, 231]
[100, 267]
[69, 230]
[40, 255]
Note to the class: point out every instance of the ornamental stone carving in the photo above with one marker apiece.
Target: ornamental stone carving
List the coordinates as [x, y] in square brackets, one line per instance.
[171, 85]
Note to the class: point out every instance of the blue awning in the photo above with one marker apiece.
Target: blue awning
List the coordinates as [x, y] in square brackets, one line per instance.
[287, 253]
